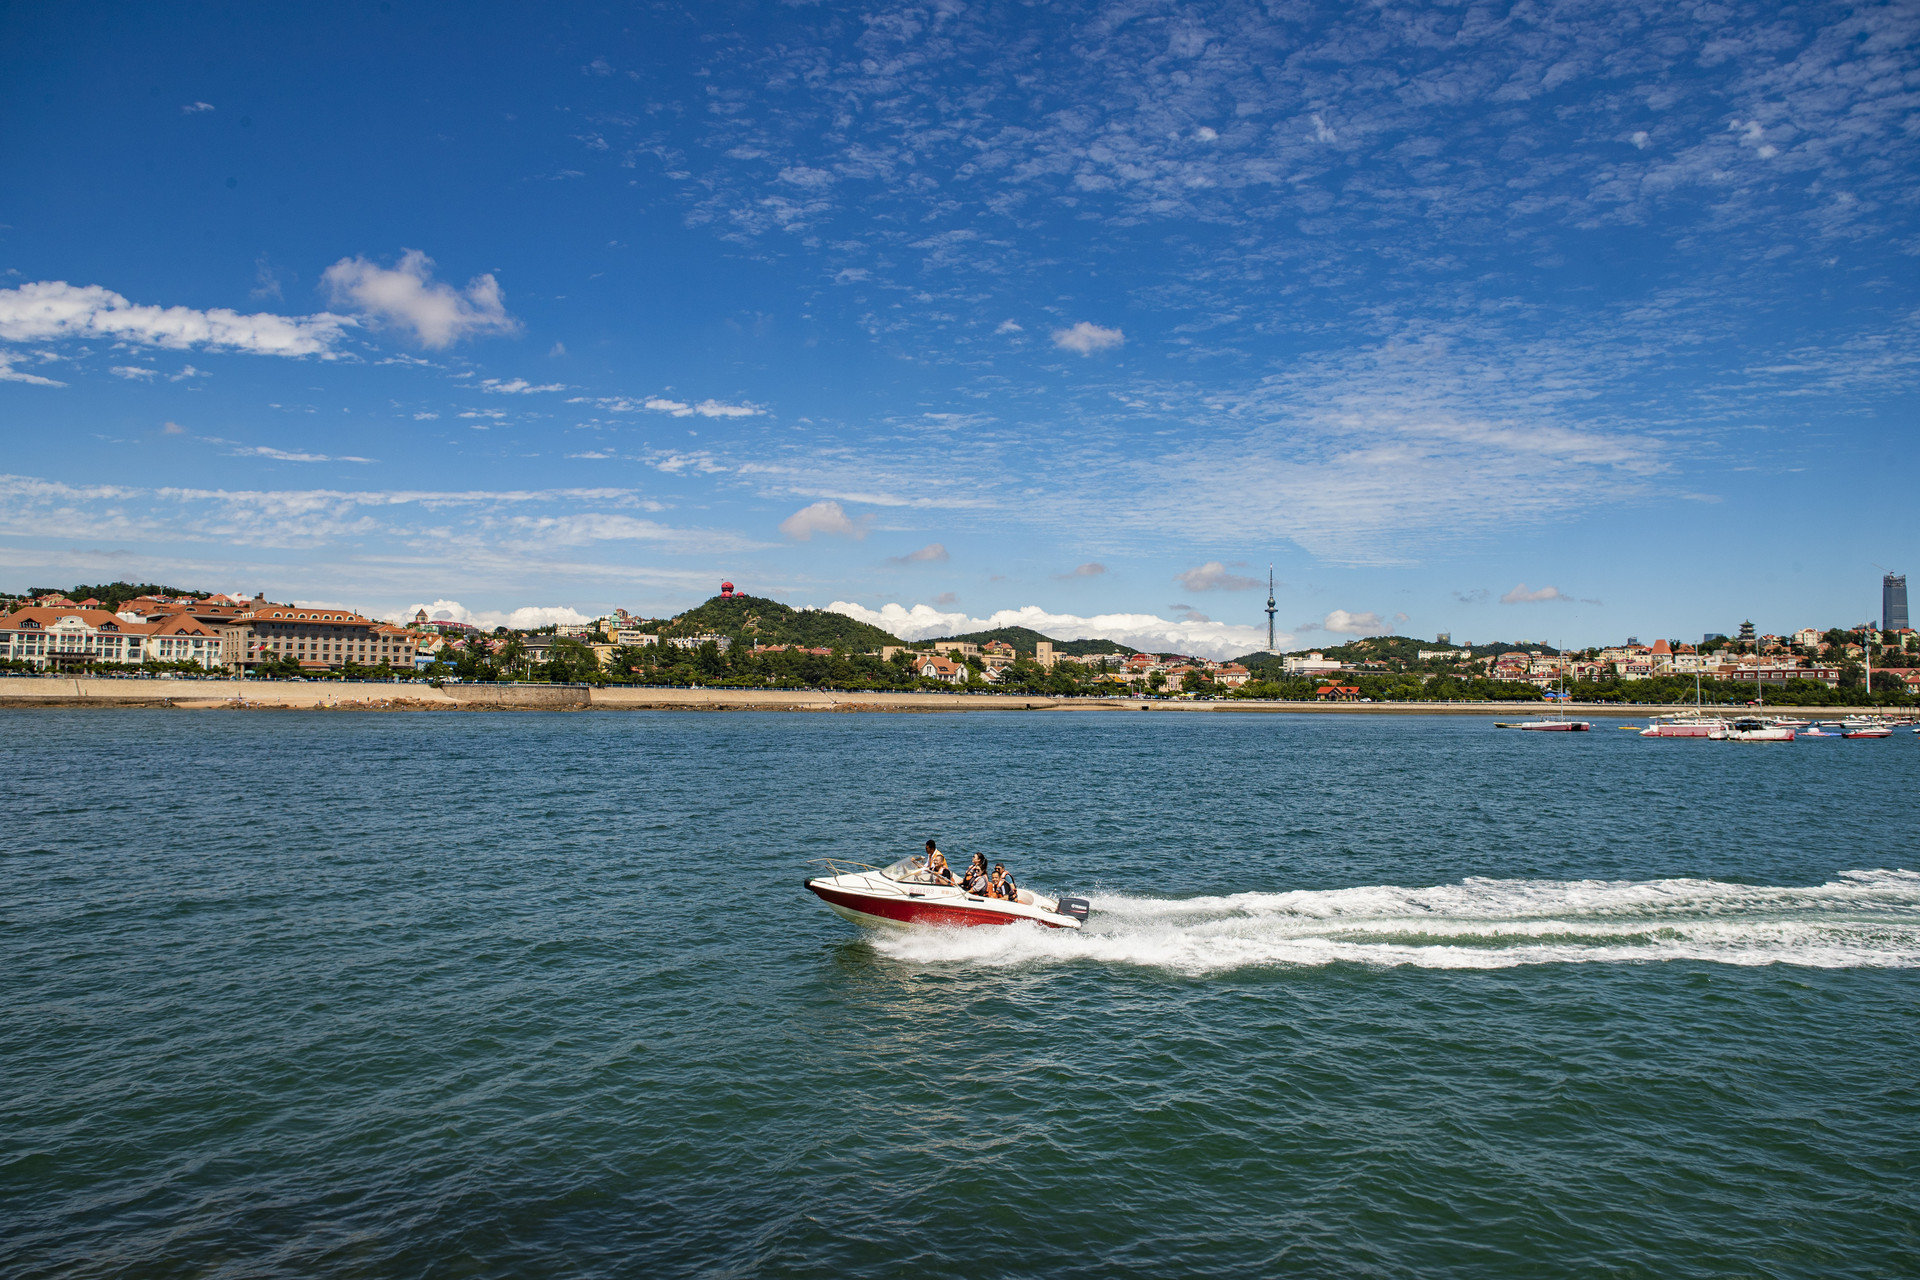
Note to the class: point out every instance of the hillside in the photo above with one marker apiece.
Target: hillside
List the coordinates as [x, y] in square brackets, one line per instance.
[1390, 649]
[754, 620]
[1023, 638]
[113, 594]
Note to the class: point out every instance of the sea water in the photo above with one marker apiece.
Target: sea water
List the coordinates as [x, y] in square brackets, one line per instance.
[340, 994]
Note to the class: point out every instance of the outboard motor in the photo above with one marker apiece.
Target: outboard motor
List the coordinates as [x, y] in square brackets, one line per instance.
[1078, 908]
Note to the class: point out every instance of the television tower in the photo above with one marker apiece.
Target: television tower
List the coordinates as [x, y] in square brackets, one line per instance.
[1269, 608]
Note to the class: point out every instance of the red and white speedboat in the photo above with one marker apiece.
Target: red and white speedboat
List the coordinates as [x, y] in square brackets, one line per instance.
[904, 894]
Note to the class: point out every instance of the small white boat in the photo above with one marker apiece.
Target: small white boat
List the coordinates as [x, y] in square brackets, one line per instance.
[903, 894]
[1688, 725]
[1752, 729]
[1555, 726]
[1869, 731]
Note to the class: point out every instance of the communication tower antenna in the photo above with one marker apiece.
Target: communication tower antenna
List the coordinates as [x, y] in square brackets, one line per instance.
[1270, 608]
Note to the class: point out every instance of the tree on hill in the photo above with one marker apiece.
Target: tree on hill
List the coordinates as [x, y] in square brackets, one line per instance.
[1023, 640]
[752, 620]
[112, 595]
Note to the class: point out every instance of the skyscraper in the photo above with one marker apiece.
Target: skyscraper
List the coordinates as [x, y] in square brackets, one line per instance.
[1893, 602]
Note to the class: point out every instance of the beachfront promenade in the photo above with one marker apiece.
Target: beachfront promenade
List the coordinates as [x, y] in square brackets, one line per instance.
[342, 695]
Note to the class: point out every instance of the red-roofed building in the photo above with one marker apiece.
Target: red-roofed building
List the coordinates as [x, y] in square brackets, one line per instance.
[72, 638]
[938, 668]
[1337, 693]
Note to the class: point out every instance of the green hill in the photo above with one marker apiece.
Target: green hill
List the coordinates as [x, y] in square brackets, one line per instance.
[1023, 639]
[752, 620]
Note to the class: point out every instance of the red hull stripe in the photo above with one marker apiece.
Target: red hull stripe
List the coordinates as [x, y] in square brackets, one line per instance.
[915, 911]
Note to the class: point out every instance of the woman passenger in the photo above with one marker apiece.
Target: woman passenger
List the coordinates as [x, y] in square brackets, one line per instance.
[975, 881]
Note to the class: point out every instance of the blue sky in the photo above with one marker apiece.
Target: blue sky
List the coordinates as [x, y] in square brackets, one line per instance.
[1532, 321]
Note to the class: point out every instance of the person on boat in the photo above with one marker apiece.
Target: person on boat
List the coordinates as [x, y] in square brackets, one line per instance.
[975, 879]
[1001, 884]
[937, 870]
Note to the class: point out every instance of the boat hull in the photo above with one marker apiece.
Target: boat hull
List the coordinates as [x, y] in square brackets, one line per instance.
[1558, 726]
[895, 909]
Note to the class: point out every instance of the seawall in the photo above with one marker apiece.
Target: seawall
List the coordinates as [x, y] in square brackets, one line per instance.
[341, 695]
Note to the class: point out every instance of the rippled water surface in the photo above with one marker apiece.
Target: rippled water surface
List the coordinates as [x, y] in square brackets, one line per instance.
[332, 994]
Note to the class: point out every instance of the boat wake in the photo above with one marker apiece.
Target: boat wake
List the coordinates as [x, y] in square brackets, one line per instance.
[1863, 919]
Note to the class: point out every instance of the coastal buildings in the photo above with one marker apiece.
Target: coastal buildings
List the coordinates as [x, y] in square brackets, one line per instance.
[75, 637]
[319, 639]
[934, 667]
[1314, 664]
[1893, 602]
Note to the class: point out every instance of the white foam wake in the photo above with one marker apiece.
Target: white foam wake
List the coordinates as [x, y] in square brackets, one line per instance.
[1862, 919]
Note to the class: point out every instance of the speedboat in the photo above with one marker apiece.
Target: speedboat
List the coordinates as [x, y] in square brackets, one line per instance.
[1868, 731]
[1555, 726]
[903, 893]
[1752, 729]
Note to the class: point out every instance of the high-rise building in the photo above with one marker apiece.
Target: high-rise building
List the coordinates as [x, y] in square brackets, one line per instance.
[1893, 602]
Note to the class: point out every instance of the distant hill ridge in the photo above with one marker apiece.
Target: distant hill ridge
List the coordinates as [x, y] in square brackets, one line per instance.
[1384, 648]
[757, 620]
[1023, 640]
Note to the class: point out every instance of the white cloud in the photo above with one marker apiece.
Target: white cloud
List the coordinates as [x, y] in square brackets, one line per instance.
[1521, 595]
[10, 374]
[1355, 624]
[1087, 338]
[53, 309]
[406, 295]
[932, 553]
[705, 409]
[1091, 569]
[521, 619]
[821, 517]
[134, 372]
[282, 455]
[1206, 134]
[1141, 630]
[1214, 576]
[1009, 326]
[518, 387]
[195, 108]
[186, 372]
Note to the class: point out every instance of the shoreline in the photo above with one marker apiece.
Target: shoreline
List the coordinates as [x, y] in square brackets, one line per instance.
[266, 695]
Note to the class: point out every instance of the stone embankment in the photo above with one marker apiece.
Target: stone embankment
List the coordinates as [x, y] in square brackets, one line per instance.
[341, 695]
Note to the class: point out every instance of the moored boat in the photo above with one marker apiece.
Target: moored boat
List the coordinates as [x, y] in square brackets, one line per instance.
[1754, 729]
[1689, 725]
[903, 894]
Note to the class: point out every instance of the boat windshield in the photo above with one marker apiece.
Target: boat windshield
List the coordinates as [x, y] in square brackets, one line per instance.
[911, 869]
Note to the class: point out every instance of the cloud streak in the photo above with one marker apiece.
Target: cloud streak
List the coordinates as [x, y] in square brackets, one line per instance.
[53, 310]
